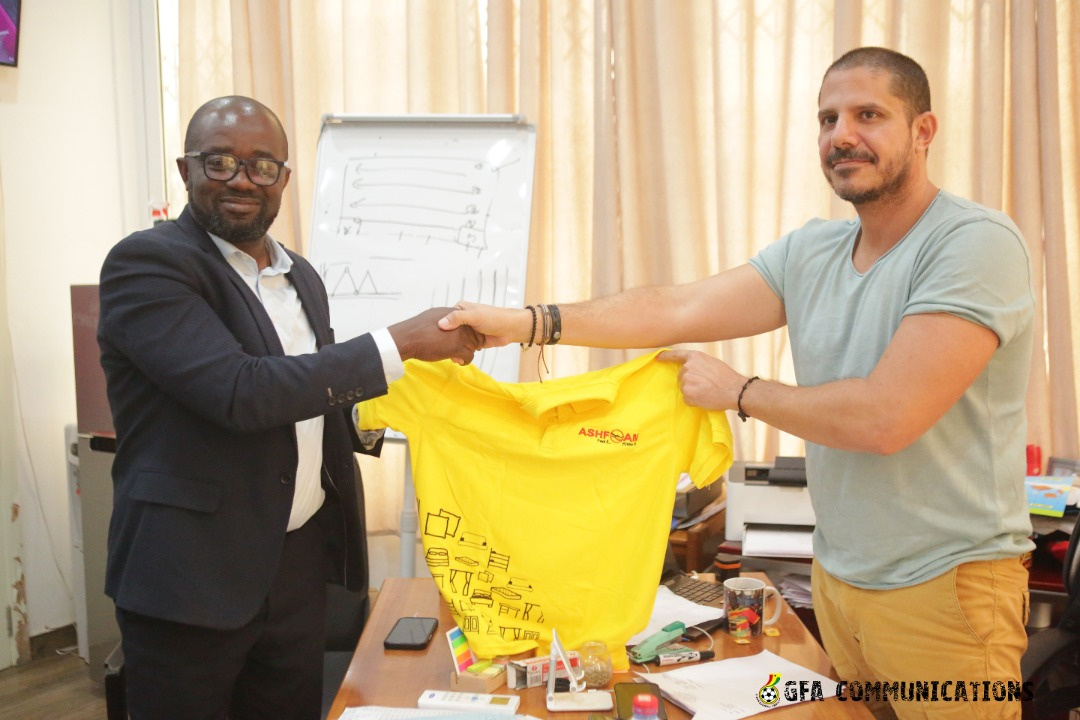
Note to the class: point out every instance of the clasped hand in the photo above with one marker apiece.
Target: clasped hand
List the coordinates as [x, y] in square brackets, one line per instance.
[421, 338]
[705, 382]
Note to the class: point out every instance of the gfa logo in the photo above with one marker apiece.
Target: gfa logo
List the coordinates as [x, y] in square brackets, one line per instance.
[769, 695]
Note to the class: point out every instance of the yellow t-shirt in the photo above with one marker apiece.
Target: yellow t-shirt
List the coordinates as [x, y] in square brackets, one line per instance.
[548, 504]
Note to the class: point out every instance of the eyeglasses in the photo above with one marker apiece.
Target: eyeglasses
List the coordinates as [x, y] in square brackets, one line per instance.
[224, 167]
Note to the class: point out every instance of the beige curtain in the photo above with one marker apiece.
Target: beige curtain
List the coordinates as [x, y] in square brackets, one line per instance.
[677, 138]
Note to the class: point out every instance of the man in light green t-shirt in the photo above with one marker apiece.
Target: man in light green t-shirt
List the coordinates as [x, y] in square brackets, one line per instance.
[911, 333]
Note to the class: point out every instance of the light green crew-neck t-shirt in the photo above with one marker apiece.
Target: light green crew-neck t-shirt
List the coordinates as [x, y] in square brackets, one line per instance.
[957, 493]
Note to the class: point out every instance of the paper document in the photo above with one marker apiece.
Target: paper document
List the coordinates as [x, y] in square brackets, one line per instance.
[729, 689]
[669, 607]
[796, 590]
[769, 541]
[706, 512]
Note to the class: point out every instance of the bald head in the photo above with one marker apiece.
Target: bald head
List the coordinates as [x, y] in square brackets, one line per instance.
[237, 134]
[231, 111]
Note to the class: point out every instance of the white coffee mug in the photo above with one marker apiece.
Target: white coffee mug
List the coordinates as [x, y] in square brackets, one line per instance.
[744, 604]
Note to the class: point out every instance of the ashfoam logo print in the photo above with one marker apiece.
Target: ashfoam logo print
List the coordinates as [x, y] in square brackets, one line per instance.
[768, 696]
[610, 436]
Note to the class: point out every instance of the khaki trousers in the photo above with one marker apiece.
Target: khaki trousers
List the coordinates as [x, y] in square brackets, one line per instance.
[964, 626]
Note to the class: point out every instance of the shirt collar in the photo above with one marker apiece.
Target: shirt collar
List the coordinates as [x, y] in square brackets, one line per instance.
[280, 262]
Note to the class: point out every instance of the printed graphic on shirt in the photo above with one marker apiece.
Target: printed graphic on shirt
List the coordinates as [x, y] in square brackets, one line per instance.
[470, 575]
[530, 496]
[613, 436]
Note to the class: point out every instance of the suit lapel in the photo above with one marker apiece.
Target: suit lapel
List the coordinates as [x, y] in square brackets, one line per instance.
[258, 313]
[311, 292]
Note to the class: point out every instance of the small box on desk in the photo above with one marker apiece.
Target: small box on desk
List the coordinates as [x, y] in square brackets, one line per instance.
[485, 681]
[533, 672]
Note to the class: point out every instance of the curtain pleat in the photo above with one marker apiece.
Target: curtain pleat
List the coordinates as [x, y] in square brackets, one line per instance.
[676, 139]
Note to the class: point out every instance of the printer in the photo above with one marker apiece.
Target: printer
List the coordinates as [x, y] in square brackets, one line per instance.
[768, 508]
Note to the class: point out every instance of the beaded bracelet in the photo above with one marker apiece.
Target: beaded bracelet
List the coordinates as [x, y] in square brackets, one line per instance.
[738, 403]
[532, 333]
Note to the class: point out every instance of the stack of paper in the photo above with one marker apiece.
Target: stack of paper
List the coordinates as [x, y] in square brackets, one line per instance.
[796, 590]
[778, 541]
[730, 689]
[669, 607]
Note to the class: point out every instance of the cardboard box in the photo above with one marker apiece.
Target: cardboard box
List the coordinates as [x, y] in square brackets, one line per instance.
[487, 681]
[533, 672]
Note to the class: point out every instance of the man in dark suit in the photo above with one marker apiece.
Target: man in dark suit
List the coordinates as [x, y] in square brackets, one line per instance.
[234, 492]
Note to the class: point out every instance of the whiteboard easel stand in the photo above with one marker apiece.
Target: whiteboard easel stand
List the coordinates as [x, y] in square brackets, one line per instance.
[496, 155]
[408, 520]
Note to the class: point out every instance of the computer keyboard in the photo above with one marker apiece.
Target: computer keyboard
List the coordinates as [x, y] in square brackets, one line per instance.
[700, 591]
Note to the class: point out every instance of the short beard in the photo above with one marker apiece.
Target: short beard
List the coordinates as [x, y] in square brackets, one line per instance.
[233, 233]
[873, 194]
[869, 195]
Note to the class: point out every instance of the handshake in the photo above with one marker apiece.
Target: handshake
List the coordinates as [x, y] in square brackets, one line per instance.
[458, 332]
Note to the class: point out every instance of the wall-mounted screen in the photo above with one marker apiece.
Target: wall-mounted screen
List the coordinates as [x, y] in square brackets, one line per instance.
[9, 32]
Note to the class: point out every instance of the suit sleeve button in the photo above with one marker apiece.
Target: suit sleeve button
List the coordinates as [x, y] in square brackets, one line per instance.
[286, 478]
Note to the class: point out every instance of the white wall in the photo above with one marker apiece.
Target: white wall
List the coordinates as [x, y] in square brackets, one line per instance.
[73, 184]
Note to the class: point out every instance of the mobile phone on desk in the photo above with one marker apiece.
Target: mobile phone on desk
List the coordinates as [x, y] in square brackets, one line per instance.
[624, 698]
[411, 633]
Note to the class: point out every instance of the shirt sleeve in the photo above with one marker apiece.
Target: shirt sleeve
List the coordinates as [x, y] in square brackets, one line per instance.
[408, 400]
[712, 451]
[393, 367]
[771, 264]
[979, 271]
[703, 436]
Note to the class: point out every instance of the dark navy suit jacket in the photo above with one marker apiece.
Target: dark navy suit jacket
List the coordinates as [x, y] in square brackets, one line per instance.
[204, 403]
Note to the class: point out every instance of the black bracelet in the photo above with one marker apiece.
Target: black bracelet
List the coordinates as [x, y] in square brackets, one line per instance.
[738, 403]
[532, 335]
[556, 324]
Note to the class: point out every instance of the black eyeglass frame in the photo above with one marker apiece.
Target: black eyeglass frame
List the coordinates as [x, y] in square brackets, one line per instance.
[203, 154]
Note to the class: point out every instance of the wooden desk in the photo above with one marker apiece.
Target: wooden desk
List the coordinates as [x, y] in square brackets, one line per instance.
[395, 678]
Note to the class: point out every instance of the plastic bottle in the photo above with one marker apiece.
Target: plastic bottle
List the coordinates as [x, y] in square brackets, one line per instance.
[1034, 460]
[645, 707]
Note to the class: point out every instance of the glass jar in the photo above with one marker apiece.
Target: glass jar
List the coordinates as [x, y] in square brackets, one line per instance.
[596, 662]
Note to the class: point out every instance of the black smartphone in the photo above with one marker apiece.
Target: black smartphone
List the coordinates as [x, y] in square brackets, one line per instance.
[624, 698]
[411, 633]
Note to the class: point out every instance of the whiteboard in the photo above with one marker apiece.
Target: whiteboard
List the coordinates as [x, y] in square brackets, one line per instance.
[414, 212]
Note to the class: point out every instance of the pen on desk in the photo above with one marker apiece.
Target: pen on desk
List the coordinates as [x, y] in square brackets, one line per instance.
[683, 657]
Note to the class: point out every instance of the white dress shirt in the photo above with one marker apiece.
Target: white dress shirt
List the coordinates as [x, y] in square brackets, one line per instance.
[282, 304]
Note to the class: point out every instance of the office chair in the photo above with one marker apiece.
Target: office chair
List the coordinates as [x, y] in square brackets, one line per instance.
[1052, 661]
[346, 613]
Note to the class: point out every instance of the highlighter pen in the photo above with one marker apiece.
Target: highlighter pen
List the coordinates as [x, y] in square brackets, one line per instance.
[683, 657]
